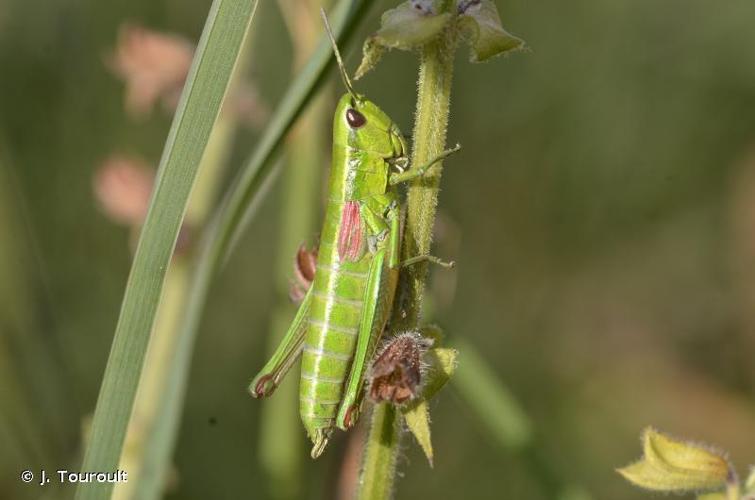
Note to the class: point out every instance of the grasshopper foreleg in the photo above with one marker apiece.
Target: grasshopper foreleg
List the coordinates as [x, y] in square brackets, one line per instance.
[414, 172]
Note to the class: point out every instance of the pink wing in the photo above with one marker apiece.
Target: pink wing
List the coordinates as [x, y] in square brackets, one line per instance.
[351, 235]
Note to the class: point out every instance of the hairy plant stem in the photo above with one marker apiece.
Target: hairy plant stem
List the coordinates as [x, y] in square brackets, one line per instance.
[430, 125]
[381, 452]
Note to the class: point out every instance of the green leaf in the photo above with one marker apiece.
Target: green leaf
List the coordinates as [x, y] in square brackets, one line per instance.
[415, 23]
[433, 332]
[206, 84]
[406, 27]
[441, 366]
[417, 419]
[673, 465]
[481, 26]
[372, 52]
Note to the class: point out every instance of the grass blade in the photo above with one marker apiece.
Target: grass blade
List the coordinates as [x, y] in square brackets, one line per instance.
[216, 55]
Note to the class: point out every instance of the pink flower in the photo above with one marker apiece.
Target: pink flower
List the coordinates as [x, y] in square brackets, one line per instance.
[154, 66]
[122, 186]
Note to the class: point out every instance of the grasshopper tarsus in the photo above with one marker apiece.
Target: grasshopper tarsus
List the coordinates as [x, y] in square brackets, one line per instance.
[428, 258]
[320, 442]
[260, 389]
[351, 417]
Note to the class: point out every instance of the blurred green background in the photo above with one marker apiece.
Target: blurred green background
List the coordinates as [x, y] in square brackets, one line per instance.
[604, 200]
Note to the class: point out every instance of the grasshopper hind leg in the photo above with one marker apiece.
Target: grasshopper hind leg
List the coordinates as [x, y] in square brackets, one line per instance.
[371, 325]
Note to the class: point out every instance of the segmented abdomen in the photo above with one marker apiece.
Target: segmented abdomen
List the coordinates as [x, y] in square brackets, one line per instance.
[334, 318]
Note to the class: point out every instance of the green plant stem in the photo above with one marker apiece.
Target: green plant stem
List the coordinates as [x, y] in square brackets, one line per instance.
[430, 125]
[381, 452]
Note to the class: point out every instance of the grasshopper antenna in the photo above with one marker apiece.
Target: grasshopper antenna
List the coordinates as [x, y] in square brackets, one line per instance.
[341, 67]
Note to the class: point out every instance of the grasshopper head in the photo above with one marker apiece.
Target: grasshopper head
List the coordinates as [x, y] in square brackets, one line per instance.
[360, 124]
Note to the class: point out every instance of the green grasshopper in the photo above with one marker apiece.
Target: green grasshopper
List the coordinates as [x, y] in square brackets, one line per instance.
[339, 323]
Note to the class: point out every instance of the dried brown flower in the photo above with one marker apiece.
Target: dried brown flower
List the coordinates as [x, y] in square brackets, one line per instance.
[305, 265]
[396, 373]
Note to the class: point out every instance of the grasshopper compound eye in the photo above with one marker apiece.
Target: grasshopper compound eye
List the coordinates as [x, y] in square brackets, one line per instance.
[354, 118]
